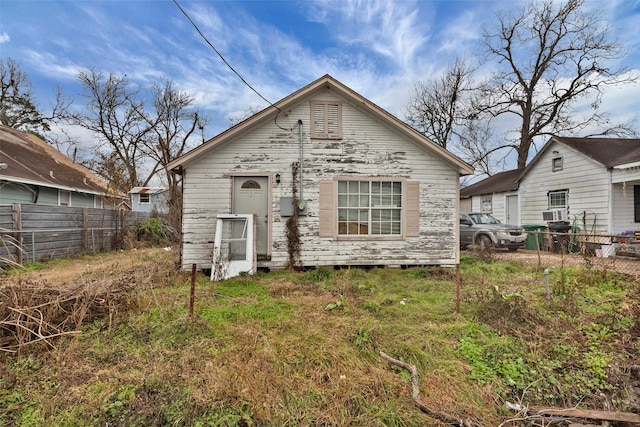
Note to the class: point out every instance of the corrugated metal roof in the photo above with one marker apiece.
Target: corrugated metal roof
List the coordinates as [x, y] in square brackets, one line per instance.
[31, 160]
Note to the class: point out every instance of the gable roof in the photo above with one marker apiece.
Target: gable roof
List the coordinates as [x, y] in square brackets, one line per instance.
[609, 152]
[324, 82]
[498, 183]
[30, 160]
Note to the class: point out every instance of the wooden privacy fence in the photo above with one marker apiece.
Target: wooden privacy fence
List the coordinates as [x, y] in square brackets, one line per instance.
[30, 233]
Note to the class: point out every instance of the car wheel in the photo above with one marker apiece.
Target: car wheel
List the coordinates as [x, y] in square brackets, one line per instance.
[513, 249]
[484, 242]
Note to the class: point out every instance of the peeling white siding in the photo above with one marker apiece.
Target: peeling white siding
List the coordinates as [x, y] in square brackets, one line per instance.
[367, 149]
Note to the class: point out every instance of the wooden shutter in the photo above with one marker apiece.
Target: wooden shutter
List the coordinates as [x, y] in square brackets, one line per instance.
[318, 120]
[328, 209]
[334, 125]
[326, 120]
[412, 209]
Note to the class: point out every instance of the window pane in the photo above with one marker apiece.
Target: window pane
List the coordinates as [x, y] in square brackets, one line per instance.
[356, 215]
[558, 199]
[395, 229]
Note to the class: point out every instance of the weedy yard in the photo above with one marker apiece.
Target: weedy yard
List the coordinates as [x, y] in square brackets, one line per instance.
[108, 340]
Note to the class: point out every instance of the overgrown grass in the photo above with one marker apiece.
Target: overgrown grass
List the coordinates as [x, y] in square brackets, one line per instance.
[302, 348]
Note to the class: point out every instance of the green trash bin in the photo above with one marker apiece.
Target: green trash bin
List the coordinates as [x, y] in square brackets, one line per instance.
[534, 231]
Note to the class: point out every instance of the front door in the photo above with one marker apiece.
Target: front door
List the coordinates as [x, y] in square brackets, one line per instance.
[251, 196]
[512, 210]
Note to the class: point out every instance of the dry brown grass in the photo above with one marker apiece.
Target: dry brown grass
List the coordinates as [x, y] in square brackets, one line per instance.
[261, 351]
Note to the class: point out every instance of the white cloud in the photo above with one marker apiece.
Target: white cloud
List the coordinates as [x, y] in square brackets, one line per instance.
[390, 29]
[4, 38]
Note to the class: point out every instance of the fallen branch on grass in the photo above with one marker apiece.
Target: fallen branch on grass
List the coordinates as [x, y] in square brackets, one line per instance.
[559, 415]
[415, 394]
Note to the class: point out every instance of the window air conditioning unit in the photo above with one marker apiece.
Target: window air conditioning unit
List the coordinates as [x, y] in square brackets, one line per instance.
[554, 215]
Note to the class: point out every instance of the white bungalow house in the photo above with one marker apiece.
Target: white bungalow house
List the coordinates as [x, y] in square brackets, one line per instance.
[357, 186]
[592, 183]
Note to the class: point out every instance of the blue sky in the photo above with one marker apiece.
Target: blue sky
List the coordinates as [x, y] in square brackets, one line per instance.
[378, 48]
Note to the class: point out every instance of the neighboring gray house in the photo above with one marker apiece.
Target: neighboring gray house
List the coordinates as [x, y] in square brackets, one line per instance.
[594, 183]
[149, 199]
[33, 172]
[372, 191]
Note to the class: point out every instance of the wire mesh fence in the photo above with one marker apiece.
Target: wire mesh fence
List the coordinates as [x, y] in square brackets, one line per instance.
[545, 249]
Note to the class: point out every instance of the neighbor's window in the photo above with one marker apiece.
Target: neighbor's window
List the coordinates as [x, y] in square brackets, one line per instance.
[556, 164]
[326, 119]
[64, 198]
[144, 198]
[486, 204]
[368, 208]
[97, 202]
[558, 199]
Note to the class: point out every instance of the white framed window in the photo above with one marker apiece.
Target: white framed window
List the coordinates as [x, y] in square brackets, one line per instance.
[369, 208]
[97, 202]
[64, 198]
[556, 164]
[486, 204]
[326, 119]
[144, 198]
[558, 199]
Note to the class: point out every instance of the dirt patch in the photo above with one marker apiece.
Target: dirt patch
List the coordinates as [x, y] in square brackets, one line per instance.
[629, 266]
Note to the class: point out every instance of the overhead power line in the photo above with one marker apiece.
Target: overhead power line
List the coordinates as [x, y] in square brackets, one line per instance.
[222, 57]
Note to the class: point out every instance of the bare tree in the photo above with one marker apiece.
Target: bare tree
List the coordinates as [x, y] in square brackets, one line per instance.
[112, 115]
[551, 56]
[442, 109]
[172, 125]
[437, 106]
[17, 108]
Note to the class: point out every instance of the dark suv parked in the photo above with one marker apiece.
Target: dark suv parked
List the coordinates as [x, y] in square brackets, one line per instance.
[485, 231]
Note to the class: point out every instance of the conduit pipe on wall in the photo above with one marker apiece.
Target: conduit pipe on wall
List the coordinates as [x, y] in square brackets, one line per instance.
[301, 205]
